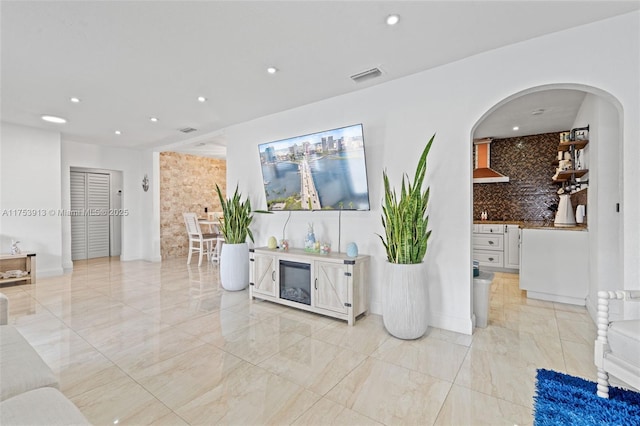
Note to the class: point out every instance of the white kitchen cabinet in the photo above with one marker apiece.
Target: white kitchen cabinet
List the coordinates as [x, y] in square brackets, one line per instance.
[488, 245]
[512, 247]
[491, 258]
[555, 265]
[330, 284]
[488, 242]
[490, 229]
[497, 246]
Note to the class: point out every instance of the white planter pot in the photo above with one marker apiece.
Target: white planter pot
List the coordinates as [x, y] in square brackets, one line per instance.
[404, 306]
[234, 266]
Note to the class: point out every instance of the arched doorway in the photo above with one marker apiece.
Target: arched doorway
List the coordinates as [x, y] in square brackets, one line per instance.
[603, 113]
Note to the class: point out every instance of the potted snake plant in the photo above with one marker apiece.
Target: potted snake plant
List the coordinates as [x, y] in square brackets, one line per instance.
[405, 221]
[234, 226]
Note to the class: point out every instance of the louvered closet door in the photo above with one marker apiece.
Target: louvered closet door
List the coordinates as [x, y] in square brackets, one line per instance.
[90, 225]
[79, 222]
[98, 218]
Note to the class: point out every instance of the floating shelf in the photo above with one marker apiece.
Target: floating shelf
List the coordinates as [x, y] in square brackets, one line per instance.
[566, 175]
[565, 146]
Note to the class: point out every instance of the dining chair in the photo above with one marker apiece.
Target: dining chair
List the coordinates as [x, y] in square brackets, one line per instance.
[198, 242]
[218, 247]
[217, 217]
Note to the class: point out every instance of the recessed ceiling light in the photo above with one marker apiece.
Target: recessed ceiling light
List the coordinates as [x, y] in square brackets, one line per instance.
[154, 119]
[202, 99]
[516, 128]
[393, 19]
[54, 119]
[75, 100]
[272, 70]
[118, 132]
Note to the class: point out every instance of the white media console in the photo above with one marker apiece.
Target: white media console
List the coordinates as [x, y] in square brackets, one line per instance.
[329, 284]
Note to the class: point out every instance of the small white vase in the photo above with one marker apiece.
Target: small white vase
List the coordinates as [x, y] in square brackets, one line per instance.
[234, 266]
[404, 307]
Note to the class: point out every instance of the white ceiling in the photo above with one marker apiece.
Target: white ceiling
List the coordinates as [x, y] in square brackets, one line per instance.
[555, 109]
[128, 61]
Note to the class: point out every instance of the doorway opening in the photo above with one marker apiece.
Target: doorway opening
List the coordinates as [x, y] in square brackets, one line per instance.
[96, 213]
[528, 124]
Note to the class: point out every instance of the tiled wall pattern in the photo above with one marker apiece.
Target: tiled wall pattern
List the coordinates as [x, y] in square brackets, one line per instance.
[528, 162]
[187, 184]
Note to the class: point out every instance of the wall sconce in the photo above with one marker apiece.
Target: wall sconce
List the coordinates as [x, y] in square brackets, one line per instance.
[145, 183]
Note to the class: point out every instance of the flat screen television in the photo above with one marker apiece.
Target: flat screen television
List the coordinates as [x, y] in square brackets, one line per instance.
[319, 171]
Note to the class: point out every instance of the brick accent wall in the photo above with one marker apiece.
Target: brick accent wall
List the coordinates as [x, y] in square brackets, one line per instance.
[528, 162]
[187, 184]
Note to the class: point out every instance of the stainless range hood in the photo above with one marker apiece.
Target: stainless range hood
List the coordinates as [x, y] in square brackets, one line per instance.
[483, 173]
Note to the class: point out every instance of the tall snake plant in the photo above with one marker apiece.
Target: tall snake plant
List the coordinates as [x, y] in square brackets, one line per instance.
[237, 217]
[405, 218]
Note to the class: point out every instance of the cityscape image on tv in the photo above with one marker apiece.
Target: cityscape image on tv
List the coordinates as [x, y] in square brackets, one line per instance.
[319, 171]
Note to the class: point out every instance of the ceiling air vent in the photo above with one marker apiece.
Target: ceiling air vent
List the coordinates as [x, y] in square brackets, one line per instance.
[366, 75]
[188, 130]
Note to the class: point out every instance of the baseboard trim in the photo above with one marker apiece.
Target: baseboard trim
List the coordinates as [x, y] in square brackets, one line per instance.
[40, 273]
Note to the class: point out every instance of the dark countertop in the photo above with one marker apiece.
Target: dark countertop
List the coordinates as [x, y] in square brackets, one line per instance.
[531, 224]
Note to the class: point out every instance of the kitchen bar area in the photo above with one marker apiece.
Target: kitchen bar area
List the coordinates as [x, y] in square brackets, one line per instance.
[530, 212]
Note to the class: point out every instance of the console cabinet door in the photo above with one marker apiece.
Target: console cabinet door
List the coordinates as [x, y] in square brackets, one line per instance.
[264, 274]
[331, 286]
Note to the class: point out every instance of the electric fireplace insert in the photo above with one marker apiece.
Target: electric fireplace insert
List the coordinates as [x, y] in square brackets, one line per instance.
[295, 281]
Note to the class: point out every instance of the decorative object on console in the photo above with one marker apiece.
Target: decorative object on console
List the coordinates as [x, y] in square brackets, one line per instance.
[405, 221]
[234, 258]
[352, 250]
[15, 249]
[284, 245]
[325, 247]
[272, 243]
[310, 240]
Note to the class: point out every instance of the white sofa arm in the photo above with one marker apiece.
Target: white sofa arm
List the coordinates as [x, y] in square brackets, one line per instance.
[4, 310]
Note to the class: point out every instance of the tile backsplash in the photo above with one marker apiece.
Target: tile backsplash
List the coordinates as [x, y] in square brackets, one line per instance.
[530, 192]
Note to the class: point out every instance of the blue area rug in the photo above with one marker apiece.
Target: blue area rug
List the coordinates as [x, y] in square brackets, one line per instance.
[566, 400]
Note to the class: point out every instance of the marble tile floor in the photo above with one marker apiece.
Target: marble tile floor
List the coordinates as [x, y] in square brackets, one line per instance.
[162, 344]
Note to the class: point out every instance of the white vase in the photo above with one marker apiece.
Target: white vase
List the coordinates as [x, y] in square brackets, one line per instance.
[404, 306]
[234, 266]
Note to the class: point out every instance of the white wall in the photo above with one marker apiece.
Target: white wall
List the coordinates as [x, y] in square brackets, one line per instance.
[30, 179]
[151, 204]
[605, 190]
[128, 161]
[401, 115]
